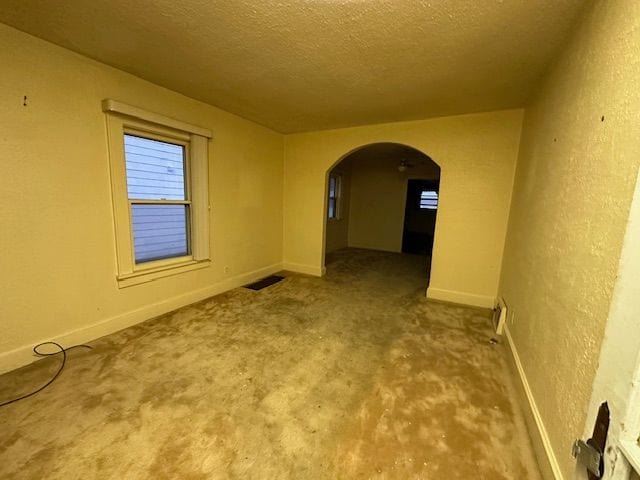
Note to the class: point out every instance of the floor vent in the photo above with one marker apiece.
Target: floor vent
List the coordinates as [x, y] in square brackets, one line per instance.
[265, 282]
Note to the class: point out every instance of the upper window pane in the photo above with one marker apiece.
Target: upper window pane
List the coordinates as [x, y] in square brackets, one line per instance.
[155, 169]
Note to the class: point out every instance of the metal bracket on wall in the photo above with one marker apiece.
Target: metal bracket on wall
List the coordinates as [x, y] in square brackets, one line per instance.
[590, 453]
[587, 456]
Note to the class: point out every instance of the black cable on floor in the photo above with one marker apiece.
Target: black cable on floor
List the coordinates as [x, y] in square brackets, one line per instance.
[40, 354]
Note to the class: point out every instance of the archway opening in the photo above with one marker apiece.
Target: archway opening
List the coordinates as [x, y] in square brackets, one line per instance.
[382, 197]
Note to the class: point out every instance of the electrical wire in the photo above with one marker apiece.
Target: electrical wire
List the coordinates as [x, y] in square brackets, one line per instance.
[50, 354]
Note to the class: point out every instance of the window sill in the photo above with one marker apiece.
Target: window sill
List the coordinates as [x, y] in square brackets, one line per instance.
[161, 271]
[631, 451]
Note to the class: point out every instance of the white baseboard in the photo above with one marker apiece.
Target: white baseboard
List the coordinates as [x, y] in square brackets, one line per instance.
[24, 355]
[305, 269]
[462, 298]
[539, 436]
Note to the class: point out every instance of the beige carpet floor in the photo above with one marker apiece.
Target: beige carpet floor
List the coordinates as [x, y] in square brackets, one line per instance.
[352, 376]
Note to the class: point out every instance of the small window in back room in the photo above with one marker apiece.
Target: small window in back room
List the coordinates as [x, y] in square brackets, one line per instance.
[429, 199]
[333, 207]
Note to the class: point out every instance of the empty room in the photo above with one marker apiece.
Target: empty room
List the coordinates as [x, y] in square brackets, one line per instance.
[320, 239]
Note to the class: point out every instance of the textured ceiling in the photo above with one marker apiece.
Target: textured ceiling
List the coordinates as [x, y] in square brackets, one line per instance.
[316, 64]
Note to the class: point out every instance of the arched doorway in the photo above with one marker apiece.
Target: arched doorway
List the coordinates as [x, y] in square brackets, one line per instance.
[382, 196]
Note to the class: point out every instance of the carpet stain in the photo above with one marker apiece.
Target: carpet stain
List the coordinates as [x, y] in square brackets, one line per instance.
[354, 375]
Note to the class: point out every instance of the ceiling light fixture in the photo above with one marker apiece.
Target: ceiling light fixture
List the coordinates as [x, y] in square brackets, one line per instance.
[403, 165]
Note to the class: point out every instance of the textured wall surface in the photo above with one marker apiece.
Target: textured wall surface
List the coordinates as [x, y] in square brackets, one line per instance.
[57, 246]
[477, 155]
[308, 65]
[574, 182]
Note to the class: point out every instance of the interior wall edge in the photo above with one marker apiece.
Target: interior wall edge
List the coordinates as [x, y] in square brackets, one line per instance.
[547, 461]
[462, 298]
[514, 175]
[23, 355]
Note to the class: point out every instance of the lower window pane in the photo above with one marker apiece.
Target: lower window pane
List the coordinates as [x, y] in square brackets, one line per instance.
[159, 231]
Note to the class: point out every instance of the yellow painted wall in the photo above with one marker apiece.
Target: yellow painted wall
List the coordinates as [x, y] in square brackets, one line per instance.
[57, 249]
[337, 229]
[576, 171]
[477, 154]
[378, 197]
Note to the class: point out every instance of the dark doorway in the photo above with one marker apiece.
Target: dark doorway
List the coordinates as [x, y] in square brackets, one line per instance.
[420, 216]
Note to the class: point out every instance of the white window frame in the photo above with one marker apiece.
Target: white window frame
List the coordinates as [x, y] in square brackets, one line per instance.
[630, 435]
[124, 119]
[338, 197]
[429, 190]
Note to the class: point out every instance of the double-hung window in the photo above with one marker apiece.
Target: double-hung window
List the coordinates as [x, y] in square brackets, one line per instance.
[158, 195]
[159, 179]
[333, 206]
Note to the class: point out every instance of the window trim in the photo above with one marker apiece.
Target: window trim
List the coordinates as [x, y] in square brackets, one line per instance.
[122, 119]
[112, 106]
[631, 452]
[628, 442]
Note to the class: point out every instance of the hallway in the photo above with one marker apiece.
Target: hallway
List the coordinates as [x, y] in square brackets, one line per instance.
[354, 375]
